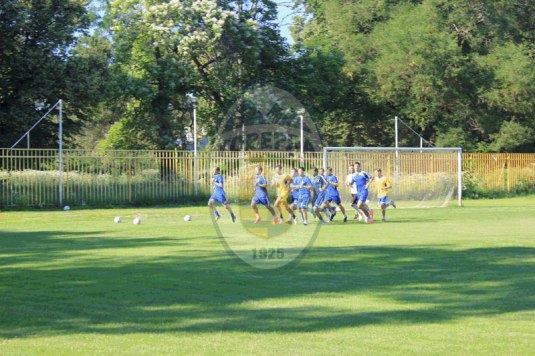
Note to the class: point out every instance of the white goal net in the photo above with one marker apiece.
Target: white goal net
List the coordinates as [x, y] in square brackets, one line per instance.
[420, 177]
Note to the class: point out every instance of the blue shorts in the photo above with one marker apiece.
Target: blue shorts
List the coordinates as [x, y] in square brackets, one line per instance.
[303, 201]
[260, 200]
[320, 199]
[220, 198]
[382, 200]
[295, 198]
[333, 198]
[362, 195]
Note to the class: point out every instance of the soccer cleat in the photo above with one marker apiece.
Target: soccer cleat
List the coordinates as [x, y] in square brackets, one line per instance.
[257, 220]
[360, 217]
[384, 220]
[233, 218]
[345, 218]
[371, 213]
[281, 221]
[305, 223]
[275, 221]
[322, 222]
[392, 203]
[369, 221]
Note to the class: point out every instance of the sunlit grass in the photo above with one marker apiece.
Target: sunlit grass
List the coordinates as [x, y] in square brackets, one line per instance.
[446, 281]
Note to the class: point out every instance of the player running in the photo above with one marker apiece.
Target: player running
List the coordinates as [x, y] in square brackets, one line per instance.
[219, 195]
[319, 183]
[353, 190]
[282, 183]
[332, 194]
[304, 186]
[295, 194]
[362, 179]
[382, 187]
[329, 211]
[261, 196]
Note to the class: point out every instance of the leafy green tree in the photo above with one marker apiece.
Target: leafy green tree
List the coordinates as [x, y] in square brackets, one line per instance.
[165, 50]
[512, 137]
[458, 70]
[35, 43]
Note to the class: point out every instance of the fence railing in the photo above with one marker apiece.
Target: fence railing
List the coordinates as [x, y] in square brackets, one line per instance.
[30, 177]
[499, 171]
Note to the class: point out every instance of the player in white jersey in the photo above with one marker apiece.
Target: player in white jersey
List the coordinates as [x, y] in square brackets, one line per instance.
[353, 190]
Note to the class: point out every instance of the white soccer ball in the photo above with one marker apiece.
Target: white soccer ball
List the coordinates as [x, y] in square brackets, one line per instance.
[66, 207]
[187, 218]
[117, 219]
[136, 221]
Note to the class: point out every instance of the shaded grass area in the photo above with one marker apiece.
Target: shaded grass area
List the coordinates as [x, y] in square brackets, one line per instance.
[425, 277]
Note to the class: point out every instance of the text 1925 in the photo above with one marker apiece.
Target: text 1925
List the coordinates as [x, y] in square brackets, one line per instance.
[268, 253]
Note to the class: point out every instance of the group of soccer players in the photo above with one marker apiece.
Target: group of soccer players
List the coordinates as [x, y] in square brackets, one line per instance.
[296, 192]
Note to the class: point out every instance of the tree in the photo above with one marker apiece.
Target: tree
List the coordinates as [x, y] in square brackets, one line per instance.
[165, 50]
[35, 44]
[458, 70]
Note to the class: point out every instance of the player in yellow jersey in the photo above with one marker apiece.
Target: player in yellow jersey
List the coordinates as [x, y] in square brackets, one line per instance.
[282, 183]
[382, 187]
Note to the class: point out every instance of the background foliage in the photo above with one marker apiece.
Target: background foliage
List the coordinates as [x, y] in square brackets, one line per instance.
[459, 71]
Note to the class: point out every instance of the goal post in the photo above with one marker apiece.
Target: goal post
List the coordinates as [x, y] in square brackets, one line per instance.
[58, 103]
[421, 176]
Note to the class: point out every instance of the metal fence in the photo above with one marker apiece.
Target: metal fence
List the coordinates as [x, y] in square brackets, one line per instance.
[500, 171]
[30, 177]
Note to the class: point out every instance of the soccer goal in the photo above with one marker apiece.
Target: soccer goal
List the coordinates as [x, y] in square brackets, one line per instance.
[420, 177]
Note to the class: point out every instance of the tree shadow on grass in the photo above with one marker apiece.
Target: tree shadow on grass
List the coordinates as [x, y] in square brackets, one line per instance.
[17, 247]
[206, 290]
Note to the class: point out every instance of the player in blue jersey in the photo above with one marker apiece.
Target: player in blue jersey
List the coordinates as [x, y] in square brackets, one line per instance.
[219, 195]
[261, 196]
[362, 180]
[319, 183]
[330, 212]
[294, 197]
[304, 186]
[332, 194]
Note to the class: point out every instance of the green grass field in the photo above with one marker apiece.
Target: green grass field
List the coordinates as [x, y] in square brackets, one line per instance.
[430, 281]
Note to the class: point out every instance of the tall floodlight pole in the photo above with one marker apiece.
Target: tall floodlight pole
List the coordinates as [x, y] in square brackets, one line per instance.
[60, 153]
[193, 100]
[460, 177]
[195, 158]
[396, 143]
[302, 140]
[397, 154]
[59, 103]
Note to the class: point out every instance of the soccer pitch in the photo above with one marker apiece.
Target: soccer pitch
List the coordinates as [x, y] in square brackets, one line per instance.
[430, 281]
